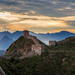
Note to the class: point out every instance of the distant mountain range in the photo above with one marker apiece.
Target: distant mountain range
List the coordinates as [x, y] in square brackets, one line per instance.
[5, 42]
[7, 38]
[53, 36]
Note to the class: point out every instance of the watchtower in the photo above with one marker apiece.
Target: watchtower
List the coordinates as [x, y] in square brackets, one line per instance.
[26, 33]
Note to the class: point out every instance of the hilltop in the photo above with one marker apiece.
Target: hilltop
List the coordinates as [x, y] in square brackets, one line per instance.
[26, 46]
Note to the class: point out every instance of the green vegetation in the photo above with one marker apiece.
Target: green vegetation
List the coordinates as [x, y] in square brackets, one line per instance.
[21, 43]
[58, 60]
[56, 64]
[24, 44]
[69, 46]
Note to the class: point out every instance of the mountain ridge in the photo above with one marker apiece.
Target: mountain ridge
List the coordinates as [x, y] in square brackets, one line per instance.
[26, 46]
[43, 37]
[67, 44]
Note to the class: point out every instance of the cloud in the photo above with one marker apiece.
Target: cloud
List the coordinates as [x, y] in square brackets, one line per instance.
[68, 0]
[24, 21]
[37, 15]
[63, 29]
[8, 16]
[13, 28]
[66, 18]
[45, 7]
[66, 8]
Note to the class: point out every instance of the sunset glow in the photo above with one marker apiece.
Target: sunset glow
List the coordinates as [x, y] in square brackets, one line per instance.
[37, 21]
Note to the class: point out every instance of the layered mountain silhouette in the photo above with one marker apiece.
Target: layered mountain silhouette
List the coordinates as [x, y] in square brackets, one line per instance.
[14, 35]
[5, 42]
[43, 37]
[53, 36]
[7, 38]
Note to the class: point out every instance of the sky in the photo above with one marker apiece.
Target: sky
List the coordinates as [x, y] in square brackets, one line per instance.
[40, 16]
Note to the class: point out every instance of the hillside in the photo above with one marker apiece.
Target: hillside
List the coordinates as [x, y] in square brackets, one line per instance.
[66, 44]
[57, 64]
[26, 46]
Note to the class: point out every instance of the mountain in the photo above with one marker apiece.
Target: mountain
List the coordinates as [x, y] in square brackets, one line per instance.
[43, 37]
[67, 44]
[7, 38]
[68, 40]
[14, 35]
[26, 46]
[53, 36]
[5, 42]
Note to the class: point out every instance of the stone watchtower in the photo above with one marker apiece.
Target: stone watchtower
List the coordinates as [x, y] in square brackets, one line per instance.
[26, 33]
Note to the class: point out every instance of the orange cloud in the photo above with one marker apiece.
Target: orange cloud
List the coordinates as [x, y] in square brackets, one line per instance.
[58, 30]
[24, 21]
[17, 27]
